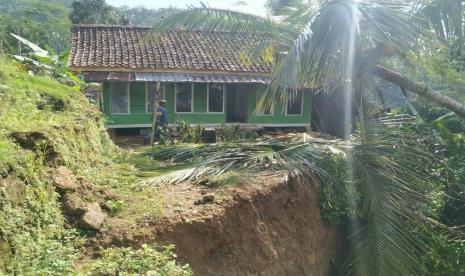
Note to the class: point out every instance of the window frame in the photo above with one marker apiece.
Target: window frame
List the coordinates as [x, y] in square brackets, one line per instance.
[208, 99]
[147, 95]
[256, 105]
[176, 98]
[128, 93]
[301, 104]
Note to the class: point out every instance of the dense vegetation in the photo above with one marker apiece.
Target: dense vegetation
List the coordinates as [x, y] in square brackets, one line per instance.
[43, 22]
[48, 23]
[45, 124]
[96, 12]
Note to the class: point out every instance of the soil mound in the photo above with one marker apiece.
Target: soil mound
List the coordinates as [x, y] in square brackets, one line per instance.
[270, 228]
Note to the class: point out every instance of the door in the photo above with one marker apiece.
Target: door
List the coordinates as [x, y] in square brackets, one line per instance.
[236, 108]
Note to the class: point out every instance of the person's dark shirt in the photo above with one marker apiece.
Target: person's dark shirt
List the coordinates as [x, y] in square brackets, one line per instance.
[162, 118]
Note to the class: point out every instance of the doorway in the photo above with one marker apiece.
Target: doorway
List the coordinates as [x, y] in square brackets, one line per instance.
[236, 108]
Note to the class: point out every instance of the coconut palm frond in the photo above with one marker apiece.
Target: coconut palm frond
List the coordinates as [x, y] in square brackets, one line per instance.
[294, 155]
[320, 54]
[294, 13]
[445, 17]
[390, 168]
[212, 19]
[309, 45]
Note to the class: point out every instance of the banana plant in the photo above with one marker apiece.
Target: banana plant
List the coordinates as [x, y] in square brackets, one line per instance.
[48, 61]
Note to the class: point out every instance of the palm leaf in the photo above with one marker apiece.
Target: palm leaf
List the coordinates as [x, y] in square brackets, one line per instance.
[319, 55]
[211, 160]
[219, 20]
[445, 17]
[390, 167]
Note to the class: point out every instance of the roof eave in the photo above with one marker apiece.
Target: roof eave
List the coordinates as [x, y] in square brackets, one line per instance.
[167, 70]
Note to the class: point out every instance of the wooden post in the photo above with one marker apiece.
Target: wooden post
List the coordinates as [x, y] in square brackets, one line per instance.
[156, 98]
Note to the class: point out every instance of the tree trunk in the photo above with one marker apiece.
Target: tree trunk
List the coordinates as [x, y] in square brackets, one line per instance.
[421, 90]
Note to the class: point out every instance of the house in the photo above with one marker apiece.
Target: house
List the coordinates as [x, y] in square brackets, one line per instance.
[206, 77]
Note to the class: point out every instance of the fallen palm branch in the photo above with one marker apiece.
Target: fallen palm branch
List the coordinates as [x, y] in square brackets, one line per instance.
[293, 154]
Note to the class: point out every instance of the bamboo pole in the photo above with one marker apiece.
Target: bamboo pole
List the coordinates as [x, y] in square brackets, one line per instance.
[156, 98]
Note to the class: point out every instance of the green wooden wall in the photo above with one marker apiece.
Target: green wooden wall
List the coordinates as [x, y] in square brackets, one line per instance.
[278, 116]
[139, 116]
[137, 98]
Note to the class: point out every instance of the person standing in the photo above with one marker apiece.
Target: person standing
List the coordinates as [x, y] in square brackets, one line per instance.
[162, 114]
[161, 124]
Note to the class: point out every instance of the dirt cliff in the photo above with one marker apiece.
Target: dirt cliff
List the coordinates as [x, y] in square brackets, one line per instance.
[272, 227]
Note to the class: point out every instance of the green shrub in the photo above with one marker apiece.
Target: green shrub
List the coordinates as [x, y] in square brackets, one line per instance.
[34, 240]
[338, 195]
[235, 133]
[189, 134]
[445, 255]
[116, 206]
[164, 137]
[128, 261]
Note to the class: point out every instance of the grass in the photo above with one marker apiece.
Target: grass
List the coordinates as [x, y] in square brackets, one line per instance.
[28, 106]
[121, 177]
[33, 230]
[235, 178]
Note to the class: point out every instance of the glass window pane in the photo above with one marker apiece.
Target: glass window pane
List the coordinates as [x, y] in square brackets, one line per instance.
[266, 108]
[215, 97]
[294, 102]
[183, 97]
[151, 90]
[119, 97]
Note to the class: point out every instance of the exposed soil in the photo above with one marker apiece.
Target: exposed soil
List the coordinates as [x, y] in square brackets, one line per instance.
[270, 227]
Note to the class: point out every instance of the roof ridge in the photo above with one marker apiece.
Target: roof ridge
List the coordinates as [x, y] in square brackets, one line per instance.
[169, 30]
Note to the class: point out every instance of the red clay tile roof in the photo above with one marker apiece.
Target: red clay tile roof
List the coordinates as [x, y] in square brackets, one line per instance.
[128, 48]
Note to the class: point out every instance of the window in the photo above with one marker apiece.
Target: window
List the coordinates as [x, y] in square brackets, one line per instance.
[215, 97]
[184, 97]
[265, 109]
[294, 102]
[119, 97]
[151, 88]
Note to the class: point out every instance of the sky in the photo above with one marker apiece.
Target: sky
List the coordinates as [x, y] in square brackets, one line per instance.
[251, 6]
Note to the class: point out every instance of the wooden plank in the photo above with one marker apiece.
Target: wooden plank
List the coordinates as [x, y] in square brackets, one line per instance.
[156, 98]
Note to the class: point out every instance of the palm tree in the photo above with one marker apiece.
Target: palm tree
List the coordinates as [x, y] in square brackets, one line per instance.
[348, 45]
[311, 41]
[445, 17]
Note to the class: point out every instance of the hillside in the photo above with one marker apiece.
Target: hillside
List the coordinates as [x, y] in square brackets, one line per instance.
[47, 23]
[42, 22]
[53, 149]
